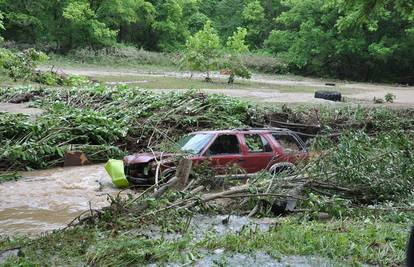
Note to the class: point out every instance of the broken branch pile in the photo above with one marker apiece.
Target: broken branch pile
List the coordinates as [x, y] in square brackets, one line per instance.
[107, 122]
[332, 181]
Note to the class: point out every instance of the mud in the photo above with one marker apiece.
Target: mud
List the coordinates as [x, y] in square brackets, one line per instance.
[358, 93]
[19, 108]
[47, 200]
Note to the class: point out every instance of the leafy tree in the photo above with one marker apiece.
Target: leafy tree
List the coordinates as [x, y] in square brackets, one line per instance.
[170, 26]
[254, 18]
[236, 46]
[352, 39]
[228, 17]
[4, 53]
[85, 27]
[364, 9]
[21, 65]
[203, 50]
[313, 37]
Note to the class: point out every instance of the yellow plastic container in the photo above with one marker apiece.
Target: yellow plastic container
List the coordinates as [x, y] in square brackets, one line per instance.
[115, 169]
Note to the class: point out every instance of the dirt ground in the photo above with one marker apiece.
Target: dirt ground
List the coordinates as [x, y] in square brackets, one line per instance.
[19, 108]
[295, 89]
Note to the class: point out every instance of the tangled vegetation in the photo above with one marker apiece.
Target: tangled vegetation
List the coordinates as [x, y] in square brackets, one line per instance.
[106, 122]
[364, 172]
[109, 122]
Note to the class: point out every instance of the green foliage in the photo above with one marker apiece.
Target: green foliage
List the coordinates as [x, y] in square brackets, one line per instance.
[373, 240]
[254, 17]
[389, 97]
[52, 78]
[376, 168]
[89, 30]
[330, 239]
[103, 122]
[334, 206]
[9, 176]
[21, 65]
[203, 50]
[233, 64]
[328, 38]
[236, 43]
[171, 27]
[350, 39]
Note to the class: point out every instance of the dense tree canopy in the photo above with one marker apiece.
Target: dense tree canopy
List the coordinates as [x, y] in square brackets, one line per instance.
[353, 39]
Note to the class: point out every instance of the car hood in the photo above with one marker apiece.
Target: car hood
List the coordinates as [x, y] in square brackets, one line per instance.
[147, 157]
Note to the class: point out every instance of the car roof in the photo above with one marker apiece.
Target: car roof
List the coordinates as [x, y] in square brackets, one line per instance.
[245, 130]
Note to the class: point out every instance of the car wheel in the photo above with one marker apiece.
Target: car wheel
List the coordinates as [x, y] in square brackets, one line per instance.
[282, 169]
[333, 96]
[167, 174]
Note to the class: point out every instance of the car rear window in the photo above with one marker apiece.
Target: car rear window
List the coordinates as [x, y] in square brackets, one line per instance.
[257, 143]
[288, 142]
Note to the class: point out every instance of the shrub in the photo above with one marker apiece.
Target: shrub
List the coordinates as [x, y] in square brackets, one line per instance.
[122, 54]
[264, 63]
[21, 65]
[374, 169]
[53, 78]
[389, 97]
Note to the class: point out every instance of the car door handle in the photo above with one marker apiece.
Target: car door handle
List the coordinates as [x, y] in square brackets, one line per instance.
[241, 160]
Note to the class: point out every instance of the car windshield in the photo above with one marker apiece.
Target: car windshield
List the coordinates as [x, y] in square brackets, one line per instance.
[194, 143]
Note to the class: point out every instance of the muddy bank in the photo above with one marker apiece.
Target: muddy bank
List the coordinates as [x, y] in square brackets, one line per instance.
[49, 199]
[296, 88]
[19, 108]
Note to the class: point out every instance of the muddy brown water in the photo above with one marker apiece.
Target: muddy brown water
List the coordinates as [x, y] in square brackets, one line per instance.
[49, 199]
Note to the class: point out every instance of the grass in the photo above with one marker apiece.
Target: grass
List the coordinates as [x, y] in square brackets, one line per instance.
[166, 82]
[138, 60]
[351, 242]
[172, 83]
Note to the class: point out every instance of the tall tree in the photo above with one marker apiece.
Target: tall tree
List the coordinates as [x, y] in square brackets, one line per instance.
[236, 46]
[315, 37]
[85, 28]
[203, 50]
[254, 19]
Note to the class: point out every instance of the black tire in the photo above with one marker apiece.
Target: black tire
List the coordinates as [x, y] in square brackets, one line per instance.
[332, 96]
[139, 181]
[282, 170]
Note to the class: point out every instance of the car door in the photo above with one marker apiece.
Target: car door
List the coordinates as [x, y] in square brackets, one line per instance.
[257, 152]
[224, 152]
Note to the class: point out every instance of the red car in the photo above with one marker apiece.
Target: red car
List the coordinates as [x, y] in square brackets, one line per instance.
[252, 150]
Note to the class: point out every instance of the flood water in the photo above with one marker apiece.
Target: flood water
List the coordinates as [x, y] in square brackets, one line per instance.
[47, 200]
[50, 199]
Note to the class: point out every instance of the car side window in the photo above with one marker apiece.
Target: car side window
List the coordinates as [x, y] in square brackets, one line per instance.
[288, 142]
[226, 144]
[257, 143]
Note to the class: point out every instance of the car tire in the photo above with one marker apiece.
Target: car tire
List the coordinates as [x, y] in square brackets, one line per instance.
[139, 181]
[279, 168]
[167, 174]
[332, 96]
